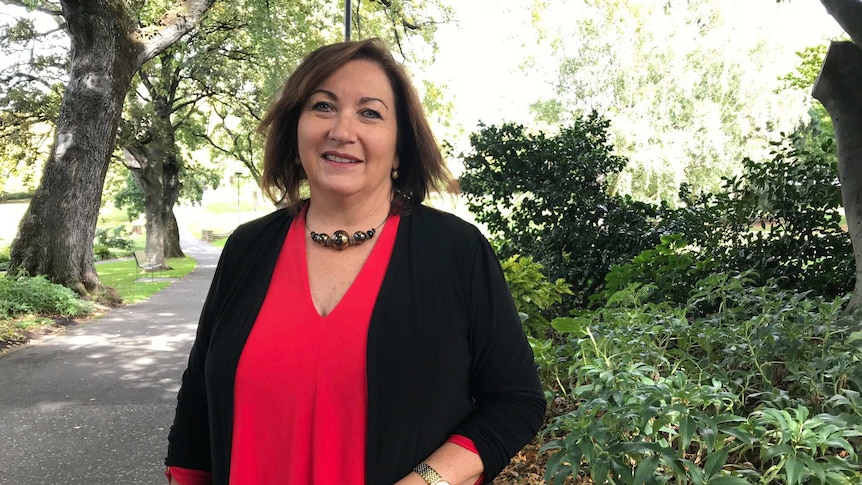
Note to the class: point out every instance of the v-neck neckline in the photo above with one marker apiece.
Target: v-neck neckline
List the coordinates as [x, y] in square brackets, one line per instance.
[370, 261]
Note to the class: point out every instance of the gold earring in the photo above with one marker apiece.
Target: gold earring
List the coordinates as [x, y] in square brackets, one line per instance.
[395, 173]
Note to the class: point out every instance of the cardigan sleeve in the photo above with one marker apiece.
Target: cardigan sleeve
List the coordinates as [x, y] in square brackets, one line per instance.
[189, 436]
[504, 381]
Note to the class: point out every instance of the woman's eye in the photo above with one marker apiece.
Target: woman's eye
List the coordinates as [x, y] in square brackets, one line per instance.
[370, 113]
[321, 106]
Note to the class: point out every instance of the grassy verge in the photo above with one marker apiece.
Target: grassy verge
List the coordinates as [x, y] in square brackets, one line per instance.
[135, 287]
[219, 242]
[34, 311]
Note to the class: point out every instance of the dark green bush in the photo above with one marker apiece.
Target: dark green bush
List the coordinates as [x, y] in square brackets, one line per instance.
[101, 251]
[780, 217]
[113, 237]
[547, 196]
[25, 295]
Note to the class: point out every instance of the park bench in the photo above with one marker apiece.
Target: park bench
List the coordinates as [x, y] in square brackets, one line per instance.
[208, 235]
[143, 265]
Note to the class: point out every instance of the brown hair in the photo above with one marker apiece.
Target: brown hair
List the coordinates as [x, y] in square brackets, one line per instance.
[421, 167]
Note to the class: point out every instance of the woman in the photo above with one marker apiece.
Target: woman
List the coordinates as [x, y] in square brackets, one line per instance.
[356, 337]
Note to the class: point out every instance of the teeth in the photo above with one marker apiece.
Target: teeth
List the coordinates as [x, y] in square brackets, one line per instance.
[333, 158]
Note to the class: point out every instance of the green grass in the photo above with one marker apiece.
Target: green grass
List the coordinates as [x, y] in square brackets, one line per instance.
[121, 276]
[219, 243]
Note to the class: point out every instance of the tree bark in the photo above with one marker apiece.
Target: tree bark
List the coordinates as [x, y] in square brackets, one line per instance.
[155, 166]
[848, 14]
[55, 237]
[839, 88]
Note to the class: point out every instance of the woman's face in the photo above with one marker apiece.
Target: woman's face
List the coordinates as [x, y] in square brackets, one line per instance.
[347, 134]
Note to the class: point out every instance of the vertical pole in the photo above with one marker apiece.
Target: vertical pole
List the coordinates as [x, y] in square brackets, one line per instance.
[348, 14]
[238, 218]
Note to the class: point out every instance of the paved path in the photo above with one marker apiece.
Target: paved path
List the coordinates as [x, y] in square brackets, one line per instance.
[93, 405]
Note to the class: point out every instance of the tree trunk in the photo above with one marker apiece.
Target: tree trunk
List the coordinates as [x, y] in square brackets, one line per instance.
[55, 237]
[155, 166]
[172, 238]
[839, 88]
[848, 14]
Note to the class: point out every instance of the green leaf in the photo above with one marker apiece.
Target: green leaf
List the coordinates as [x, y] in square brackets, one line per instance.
[715, 462]
[566, 325]
[780, 450]
[794, 469]
[726, 480]
[687, 427]
[564, 472]
[645, 470]
[599, 470]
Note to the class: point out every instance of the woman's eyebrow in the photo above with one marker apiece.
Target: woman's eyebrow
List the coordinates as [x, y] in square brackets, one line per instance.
[327, 93]
[368, 99]
[363, 100]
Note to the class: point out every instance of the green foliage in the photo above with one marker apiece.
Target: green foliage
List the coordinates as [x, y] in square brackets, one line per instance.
[114, 237]
[781, 218]
[686, 95]
[532, 292]
[26, 295]
[670, 269]
[4, 258]
[763, 388]
[122, 277]
[547, 196]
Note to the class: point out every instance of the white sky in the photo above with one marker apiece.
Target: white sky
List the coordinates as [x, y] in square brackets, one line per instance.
[480, 55]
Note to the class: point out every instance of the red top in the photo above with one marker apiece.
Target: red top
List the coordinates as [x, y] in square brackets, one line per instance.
[301, 387]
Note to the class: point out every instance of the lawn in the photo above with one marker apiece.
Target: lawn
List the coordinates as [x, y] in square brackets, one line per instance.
[134, 286]
[120, 275]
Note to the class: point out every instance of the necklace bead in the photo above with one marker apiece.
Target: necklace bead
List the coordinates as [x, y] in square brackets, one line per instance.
[341, 239]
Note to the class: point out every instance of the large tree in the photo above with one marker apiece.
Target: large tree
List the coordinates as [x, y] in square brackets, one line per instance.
[408, 27]
[839, 88]
[108, 45]
[688, 95]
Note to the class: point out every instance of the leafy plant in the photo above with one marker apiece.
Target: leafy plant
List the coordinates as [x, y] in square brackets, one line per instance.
[532, 291]
[780, 218]
[719, 390]
[4, 258]
[547, 196]
[23, 294]
[108, 238]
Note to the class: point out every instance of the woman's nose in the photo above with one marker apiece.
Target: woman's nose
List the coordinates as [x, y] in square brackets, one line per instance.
[342, 129]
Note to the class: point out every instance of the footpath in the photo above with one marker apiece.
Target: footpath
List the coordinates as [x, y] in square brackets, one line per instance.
[93, 405]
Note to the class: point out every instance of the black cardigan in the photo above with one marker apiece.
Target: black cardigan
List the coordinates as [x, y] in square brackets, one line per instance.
[446, 351]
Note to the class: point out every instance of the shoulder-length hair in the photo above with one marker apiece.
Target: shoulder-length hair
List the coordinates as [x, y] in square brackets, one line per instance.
[421, 167]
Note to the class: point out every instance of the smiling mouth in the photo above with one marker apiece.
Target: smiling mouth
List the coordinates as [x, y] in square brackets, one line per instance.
[333, 158]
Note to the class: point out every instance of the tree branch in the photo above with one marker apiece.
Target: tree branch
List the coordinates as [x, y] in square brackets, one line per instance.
[848, 14]
[175, 24]
[192, 101]
[45, 10]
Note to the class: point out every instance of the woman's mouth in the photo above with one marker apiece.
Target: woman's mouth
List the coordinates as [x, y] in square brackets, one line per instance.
[337, 159]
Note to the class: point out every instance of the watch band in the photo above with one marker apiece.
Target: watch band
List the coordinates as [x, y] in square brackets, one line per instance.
[428, 474]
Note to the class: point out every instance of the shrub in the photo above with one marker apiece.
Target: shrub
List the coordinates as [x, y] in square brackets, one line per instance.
[101, 251]
[113, 237]
[4, 258]
[548, 197]
[24, 295]
[532, 292]
[763, 386]
[781, 218]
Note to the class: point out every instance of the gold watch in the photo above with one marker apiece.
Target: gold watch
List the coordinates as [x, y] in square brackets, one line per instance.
[429, 474]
